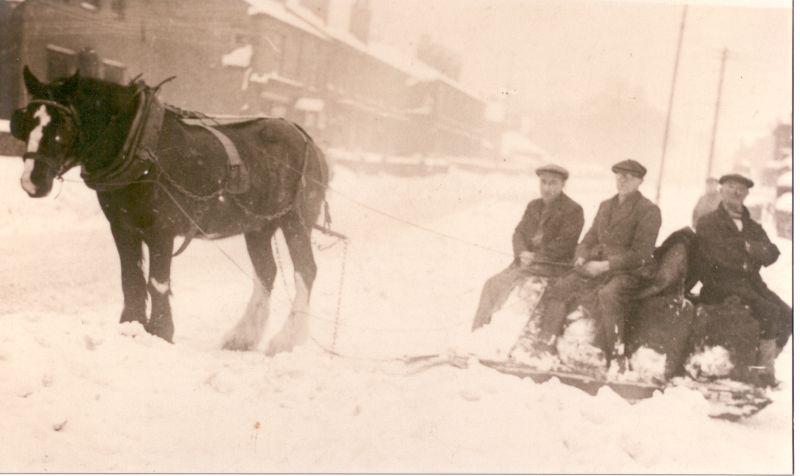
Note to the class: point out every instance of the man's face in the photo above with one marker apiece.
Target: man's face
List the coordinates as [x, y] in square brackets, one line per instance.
[550, 185]
[627, 182]
[734, 193]
[711, 186]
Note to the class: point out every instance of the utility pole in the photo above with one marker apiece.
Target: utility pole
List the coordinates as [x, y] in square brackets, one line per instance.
[716, 112]
[669, 107]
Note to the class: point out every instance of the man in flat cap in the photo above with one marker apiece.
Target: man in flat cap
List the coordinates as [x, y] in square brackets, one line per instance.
[547, 233]
[708, 202]
[613, 258]
[734, 248]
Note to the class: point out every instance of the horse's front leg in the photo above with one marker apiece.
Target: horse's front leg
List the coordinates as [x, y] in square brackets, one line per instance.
[134, 287]
[160, 323]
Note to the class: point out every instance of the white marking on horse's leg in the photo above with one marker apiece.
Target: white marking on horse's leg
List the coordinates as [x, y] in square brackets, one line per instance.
[34, 140]
[301, 294]
[295, 329]
[161, 288]
[25, 180]
[246, 334]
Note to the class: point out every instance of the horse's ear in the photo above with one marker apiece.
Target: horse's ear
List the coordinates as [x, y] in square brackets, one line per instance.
[35, 87]
[70, 85]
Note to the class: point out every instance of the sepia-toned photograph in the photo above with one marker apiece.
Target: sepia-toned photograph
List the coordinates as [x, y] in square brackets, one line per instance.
[396, 236]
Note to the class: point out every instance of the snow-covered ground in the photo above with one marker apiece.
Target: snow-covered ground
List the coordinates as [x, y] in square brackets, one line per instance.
[80, 392]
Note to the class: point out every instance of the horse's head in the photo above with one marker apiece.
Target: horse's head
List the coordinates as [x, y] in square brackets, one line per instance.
[49, 127]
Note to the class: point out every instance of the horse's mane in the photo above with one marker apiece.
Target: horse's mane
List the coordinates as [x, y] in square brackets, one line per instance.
[110, 94]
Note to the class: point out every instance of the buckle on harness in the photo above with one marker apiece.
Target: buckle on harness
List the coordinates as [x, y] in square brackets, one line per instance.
[238, 179]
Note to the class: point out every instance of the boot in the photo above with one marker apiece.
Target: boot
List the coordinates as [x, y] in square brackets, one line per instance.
[767, 352]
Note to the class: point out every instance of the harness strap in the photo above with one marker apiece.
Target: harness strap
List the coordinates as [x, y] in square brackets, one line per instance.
[70, 111]
[238, 179]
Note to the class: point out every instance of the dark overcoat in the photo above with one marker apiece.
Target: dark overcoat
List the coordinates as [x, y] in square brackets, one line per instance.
[730, 261]
[624, 233]
[724, 249]
[551, 232]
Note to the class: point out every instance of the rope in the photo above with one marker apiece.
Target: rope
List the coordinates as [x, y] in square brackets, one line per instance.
[205, 235]
[335, 353]
[285, 283]
[339, 299]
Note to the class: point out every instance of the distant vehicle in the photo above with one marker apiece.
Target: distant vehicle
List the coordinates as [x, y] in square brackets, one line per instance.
[9, 146]
[783, 215]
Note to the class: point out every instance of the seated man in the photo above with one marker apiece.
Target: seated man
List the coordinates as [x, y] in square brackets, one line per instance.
[734, 248]
[544, 239]
[613, 258]
[708, 202]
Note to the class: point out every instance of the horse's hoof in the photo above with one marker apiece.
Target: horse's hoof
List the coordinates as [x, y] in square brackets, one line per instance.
[132, 317]
[163, 331]
[238, 345]
[276, 346]
[274, 349]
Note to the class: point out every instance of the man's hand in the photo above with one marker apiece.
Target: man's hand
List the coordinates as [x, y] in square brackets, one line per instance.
[579, 262]
[596, 268]
[527, 257]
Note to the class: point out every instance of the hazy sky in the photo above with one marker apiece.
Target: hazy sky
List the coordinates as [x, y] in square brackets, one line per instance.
[559, 53]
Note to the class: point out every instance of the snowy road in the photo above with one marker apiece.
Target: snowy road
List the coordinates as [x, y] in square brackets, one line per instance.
[80, 392]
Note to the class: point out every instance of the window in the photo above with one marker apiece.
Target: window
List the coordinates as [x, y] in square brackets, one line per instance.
[113, 71]
[290, 61]
[93, 5]
[242, 39]
[118, 7]
[278, 110]
[310, 65]
[61, 62]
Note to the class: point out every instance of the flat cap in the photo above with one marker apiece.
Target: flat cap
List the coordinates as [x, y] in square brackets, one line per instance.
[553, 169]
[736, 178]
[630, 166]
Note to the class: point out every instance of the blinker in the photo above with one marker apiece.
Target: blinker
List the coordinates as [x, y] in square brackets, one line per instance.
[20, 126]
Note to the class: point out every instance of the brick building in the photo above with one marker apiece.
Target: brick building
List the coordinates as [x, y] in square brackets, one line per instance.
[246, 57]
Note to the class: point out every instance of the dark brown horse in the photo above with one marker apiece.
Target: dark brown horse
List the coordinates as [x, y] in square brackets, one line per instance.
[158, 176]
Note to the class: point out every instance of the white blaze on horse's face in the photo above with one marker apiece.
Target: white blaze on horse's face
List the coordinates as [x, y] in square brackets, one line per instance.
[37, 133]
[34, 140]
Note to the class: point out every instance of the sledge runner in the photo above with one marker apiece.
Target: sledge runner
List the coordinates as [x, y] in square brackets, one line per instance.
[613, 259]
[546, 235]
[734, 248]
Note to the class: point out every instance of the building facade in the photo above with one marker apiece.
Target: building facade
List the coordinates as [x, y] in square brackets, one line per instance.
[248, 57]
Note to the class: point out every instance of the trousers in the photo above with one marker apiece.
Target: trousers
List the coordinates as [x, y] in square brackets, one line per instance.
[496, 291]
[773, 315]
[612, 298]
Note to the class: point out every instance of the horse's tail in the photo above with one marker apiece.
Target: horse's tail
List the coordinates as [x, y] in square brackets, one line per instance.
[316, 175]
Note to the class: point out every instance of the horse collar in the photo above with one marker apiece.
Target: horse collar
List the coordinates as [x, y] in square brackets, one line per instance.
[134, 158]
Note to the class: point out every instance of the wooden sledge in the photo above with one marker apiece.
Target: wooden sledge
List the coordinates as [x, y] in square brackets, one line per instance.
[730, 400]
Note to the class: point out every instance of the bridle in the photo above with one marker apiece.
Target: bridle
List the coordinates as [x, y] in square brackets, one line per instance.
[71, 114]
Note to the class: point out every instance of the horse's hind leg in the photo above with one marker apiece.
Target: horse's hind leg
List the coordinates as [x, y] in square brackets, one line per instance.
[248, 331]
[160, 248]
[295, 330]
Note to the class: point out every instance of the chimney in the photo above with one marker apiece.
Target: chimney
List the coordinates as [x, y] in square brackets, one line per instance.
[88, 63]
[360, 17]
